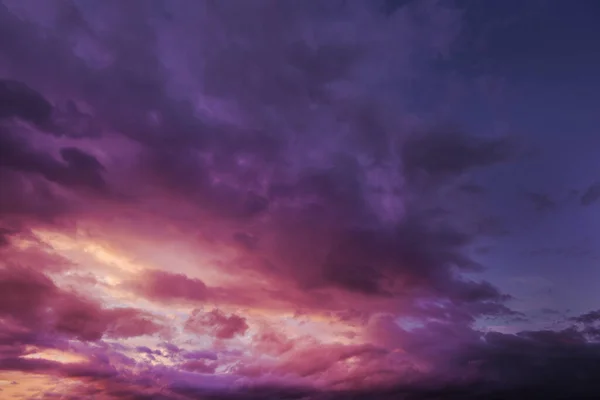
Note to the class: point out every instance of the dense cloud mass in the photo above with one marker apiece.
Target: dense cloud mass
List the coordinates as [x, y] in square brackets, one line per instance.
[252, 200]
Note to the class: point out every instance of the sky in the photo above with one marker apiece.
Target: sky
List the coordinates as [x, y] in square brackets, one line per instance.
[309, 200]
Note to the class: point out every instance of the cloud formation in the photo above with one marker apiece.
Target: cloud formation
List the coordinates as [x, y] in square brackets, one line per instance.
[243, 200]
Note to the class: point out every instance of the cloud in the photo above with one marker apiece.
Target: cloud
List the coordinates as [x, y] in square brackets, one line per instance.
[216, 323]
[198, 366]
[588, 318]
[201, 355]
[36, 304]
[76, 168]
[591, 195]
[245, 179]
[439, 154]
[562, 358]
[30, 197]
[541, 201]
[165, 286]
[19, 100]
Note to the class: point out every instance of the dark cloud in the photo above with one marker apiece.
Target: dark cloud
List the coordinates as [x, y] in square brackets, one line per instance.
[30, 197]
[439, 154]
[414, 253]
[543, 363]
[541, 201]
[266, 131]
[77, 168]
[529, 364]
[78, 159]
[588, 318]
[591, 195]
[19, 100]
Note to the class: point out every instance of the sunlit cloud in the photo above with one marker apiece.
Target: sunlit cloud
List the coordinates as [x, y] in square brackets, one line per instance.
[267, 199]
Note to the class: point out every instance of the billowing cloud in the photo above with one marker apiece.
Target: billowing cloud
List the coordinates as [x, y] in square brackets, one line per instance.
[33, 303]
[20, 101]
[588, 318]
[245, 199]
[216, 323]
[165, 286]
[448, 153]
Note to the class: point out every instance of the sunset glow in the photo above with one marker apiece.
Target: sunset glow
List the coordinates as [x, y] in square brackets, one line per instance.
[307, 200]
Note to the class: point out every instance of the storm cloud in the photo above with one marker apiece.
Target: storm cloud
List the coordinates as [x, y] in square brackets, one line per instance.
[250, 200]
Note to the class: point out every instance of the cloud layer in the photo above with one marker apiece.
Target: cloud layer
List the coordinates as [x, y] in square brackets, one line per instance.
[246, 199]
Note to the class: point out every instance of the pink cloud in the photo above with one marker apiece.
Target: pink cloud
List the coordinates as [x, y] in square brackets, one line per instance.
[33, 299]
[200, 366]
[216, 323]
[166, 286]
[257, 159]
[269, 341]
